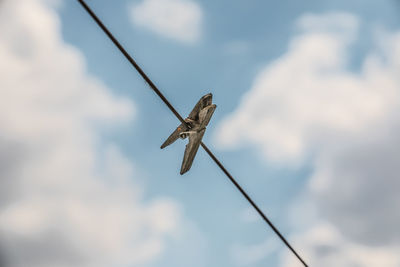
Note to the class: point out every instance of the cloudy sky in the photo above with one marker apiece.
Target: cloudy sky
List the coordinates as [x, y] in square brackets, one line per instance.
[308, 96]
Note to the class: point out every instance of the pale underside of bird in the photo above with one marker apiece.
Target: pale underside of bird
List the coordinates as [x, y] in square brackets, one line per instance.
[194, 128]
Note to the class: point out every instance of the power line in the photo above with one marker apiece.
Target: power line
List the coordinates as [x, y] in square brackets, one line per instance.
[252, 203]
[165, 100]
[131, 60]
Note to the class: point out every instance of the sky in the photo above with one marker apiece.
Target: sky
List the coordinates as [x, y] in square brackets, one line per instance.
[307, 95]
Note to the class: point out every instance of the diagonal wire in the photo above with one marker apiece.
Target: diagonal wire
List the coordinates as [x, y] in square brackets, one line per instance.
[253, 203]
[165, 100]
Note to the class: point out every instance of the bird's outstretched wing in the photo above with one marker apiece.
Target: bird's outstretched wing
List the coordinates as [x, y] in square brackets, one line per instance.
[191, 149]
[205, 101]
[174, 136]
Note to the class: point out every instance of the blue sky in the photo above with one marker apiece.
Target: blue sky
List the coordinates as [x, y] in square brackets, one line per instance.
[307, 95]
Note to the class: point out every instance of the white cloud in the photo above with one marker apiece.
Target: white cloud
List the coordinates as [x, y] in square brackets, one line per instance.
[244, 255]
[177, 19]
[307, 106]
[306, 93]
[65, 198]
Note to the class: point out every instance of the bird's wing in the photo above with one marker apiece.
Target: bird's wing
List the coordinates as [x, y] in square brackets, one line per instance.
[205, 115]
[191, 150]
[174, 136]
[202, 103]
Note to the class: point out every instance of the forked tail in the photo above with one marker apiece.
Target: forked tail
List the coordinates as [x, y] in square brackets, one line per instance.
[174, 136]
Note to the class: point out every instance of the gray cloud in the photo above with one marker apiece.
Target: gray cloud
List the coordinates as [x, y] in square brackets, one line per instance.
[47, 249]
[12, 156]
[362, 196]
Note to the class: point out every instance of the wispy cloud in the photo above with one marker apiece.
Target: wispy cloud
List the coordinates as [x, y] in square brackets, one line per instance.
[176, 19]
[247, 255]
[65, 198]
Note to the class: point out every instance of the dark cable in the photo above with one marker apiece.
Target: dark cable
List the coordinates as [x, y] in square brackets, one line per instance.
[130, 59]
[155, 89]
[251, 202]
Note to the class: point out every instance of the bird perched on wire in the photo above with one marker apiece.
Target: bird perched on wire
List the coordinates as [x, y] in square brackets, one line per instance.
[194, 128]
